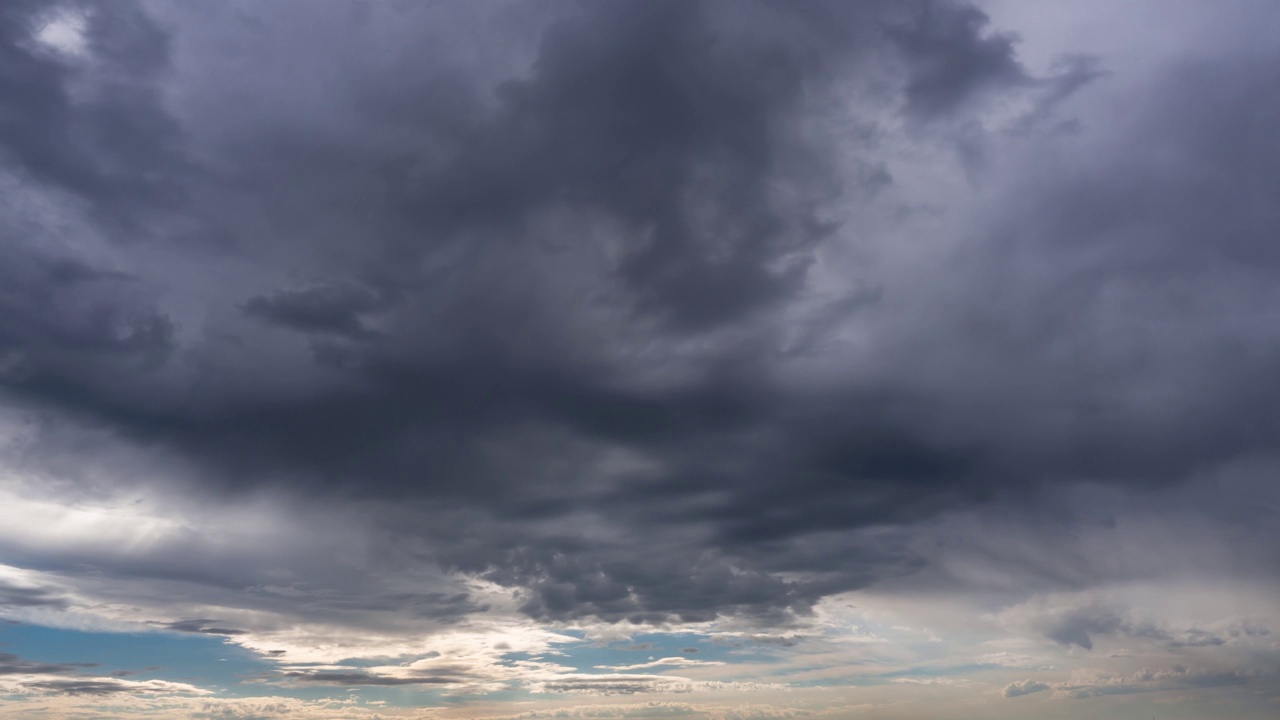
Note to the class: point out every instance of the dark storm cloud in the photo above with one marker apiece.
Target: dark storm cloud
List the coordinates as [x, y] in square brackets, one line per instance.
[650, 113]
[1070, 74]
[1166, 267]
[64, 322]
[335, 309]
[96, 132]
[664, 122]
[112, 146]
[954, 59]
[598, 256]
[443, 607]
[568, 580]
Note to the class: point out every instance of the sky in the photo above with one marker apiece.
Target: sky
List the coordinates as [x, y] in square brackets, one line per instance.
[617, 359]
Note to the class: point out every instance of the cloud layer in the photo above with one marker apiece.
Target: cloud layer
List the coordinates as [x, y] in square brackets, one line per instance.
[329, 327]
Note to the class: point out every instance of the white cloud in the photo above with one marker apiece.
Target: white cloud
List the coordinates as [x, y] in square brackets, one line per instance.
[64, 32]
[661, 662]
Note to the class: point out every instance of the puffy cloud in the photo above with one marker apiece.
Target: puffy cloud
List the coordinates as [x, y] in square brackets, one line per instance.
[1024, 687]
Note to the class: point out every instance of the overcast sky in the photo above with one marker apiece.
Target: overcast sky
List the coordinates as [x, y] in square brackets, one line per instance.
[639, 359]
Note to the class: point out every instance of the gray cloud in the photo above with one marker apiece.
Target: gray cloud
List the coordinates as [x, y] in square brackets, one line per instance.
[619, 320]
[1070, 75]
[953, 60]
[108, 141]
[108, 686]
[1077, 621]
[1176, 677]
[11, 664]
[205, 627]
[82, 687]
[332, 309]
[68, 324]
[1076, 627]
[70, 679]
[1024, 687]
[17, 596]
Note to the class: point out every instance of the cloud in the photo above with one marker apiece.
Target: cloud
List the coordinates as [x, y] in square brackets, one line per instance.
[112, 143]
[658, 709]
[1071, 74]
[952, 60]
[66, 323]
[24, 676]
[18, 596]
[1077, 621]
[334, 309]
[654, 315]
[11, 664]
[649, 192]
[1177, 677]
[360, 678]
[196, 625]
[1024, 687]
[112, 686]
[631, 684]
[672, 661]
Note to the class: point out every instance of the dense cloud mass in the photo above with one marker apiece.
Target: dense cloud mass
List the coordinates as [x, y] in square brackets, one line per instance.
[368, 319]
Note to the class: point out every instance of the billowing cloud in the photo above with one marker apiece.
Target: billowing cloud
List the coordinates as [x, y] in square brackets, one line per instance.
[660, 156]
